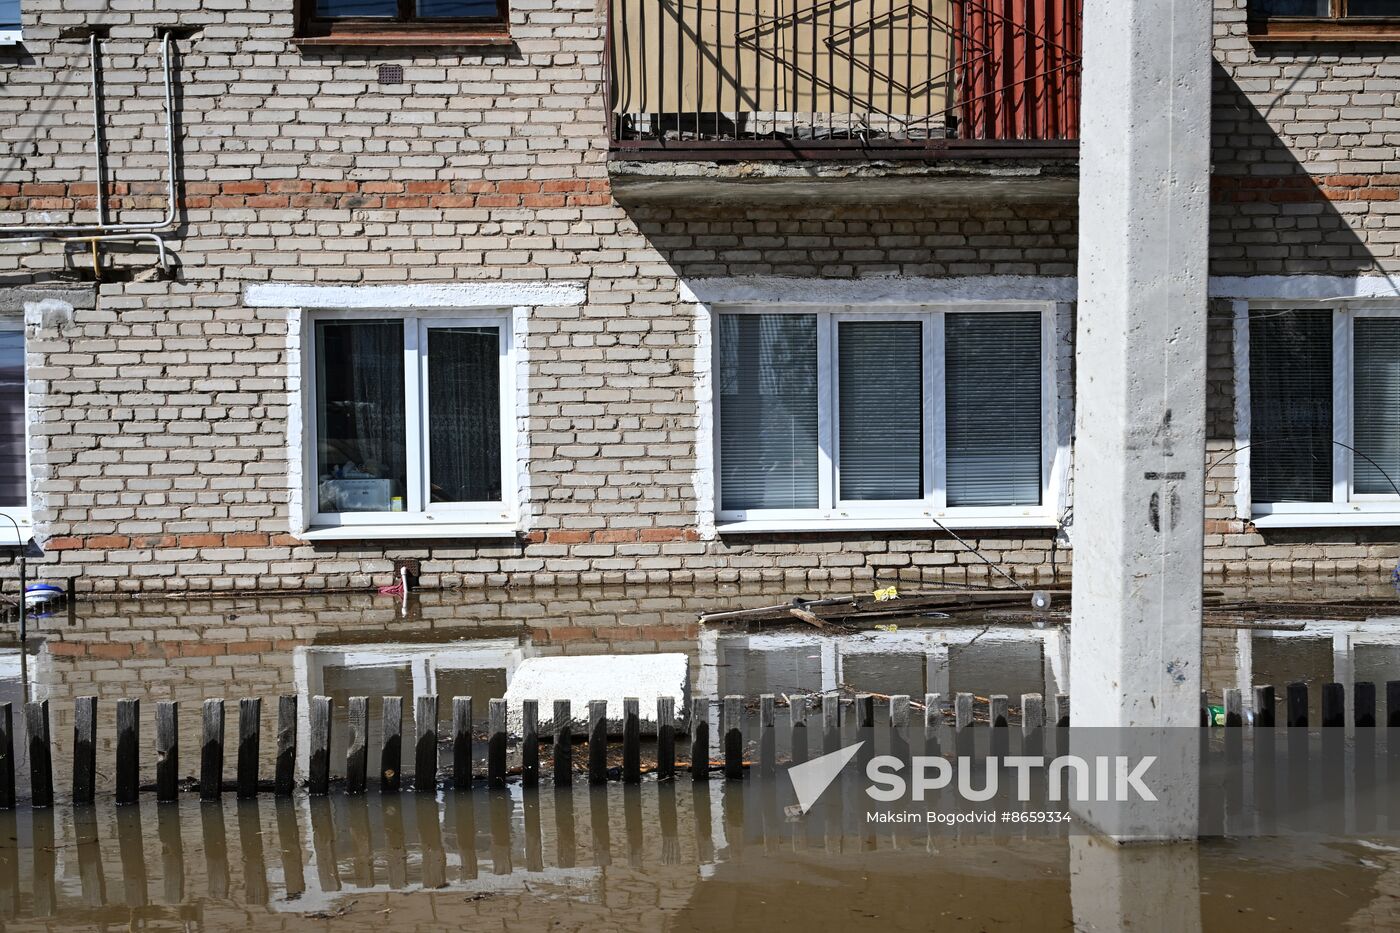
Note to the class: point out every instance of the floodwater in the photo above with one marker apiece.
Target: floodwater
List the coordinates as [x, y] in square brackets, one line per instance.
[676, 857]
[659, 856]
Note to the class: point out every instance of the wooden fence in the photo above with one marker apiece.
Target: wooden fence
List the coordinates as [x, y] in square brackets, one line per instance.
[938, 712]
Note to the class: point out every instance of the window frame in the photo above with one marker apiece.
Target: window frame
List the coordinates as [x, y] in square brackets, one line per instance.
[20, 533]
[1345, 506]
[403, 29]
[418, 514]
[832, 513]
[1337, 26]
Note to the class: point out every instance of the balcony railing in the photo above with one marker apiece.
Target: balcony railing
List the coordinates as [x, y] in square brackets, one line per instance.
[746, 79]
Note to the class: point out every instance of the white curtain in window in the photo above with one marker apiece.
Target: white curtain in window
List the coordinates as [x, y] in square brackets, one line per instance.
[881, 395]
[768, 411]
[1290, 393]
[993, 383]
[1376, 406]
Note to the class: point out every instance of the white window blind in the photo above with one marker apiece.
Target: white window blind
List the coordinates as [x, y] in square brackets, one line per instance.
[881, 404]
[993, 408]
[1290, 392]
[768, 411]
[1376, 406]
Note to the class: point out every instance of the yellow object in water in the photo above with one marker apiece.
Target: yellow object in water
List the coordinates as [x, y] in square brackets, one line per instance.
[887, 628]
[887, 594]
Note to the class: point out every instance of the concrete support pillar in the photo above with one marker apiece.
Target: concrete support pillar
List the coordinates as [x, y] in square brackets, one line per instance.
[1140, 888]
[1140, 447]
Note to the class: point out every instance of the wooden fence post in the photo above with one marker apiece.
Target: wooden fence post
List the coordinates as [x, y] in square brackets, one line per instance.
[563, 743]
[249, 745]
[128, 750]
[391, 751]
[530, 743]
[319, 735]
[284, 777]
[167, 751]
[462, 743]
[84, 750]
[733, 737]
[496, 743]
[425, 745]
[36, 721]
[665, 738]
[597, 741]
[211, 755]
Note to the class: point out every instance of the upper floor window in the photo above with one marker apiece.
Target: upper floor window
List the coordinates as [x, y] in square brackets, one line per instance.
[1337, 20]
[883, 417]
[403, 22]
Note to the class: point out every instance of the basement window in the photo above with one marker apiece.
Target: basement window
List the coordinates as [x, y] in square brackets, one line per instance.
[1324, 408]
[1325, 20]
[883, 419]
[411, 422]
[403, 22]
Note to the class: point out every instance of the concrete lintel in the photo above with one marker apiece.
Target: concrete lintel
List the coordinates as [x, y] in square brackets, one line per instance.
[79, 297]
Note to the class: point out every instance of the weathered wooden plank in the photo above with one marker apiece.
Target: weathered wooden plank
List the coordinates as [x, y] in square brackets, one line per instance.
[249, 745]
[1334, 706]
[284, 775]
[597, 741]
[7, 758]
[767, 735]
[391, 749]
[665, 738]
[563, 743]
[462, 743]
[357, 749]
[167, 750]
[1234, 708]
[36, 721]
[700, 739]
[425, 744]
[319, 735]
[84, 750]
[733, 737]
[1264, 707]
[128, 750]
[530, 743]
[1363, 714]
[211, 753]
[496, 716]
[631, 740]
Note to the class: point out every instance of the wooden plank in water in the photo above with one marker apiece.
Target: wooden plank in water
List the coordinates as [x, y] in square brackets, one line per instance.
[496, 743]
[391, 749]
[211, 752]
[319, 735]
[665, 738]
[425, 744]
[128, 750]
[284, 775]
[167, 751]
[733, 737]
[563, 743]
[84, 750]
[462, 743]
[597, 741]
[631, 740]
[249, 746]
[530, 743]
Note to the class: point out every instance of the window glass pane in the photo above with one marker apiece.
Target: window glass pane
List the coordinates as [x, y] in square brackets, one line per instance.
[464, 414]
[1373, 8]
[458, 9]
[1290, 7]
[360, 450]
[881, 387]
[1290, 397]
[9, 14]
[768, 411]
[993, 421]
[1376, 406]
[13, 470]
[331, 9]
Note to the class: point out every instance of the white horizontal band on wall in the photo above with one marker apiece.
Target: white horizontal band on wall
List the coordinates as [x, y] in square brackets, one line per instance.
[910, 290]
[444, 295]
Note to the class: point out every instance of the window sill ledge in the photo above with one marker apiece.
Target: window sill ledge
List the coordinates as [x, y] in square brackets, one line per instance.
[810, 526]
[405, 532]
[1328, 520]
[409, 39]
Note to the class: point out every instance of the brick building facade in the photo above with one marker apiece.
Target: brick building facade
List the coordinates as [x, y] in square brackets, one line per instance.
[467, 197]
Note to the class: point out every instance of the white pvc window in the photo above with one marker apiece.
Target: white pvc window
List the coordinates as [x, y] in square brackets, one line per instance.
[410, 420]
[1323, 391]
[15, 521]
[835, 415]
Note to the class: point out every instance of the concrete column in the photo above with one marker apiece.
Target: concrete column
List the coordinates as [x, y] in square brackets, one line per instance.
[1140, 450]
[1148, 888]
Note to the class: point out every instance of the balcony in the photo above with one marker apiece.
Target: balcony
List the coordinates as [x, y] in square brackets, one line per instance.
[768, 91]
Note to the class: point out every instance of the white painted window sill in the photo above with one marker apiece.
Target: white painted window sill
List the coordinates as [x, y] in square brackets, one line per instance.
[960, 523]
[1327, 520]
[406, 532]
[16, 527]
[11, 37]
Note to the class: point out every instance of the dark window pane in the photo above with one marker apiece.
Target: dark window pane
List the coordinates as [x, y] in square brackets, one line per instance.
[458, 9]
[13, 470]
[768, 411]
[1376, 401]
[881, 389]
[994, 425]
[1373, 8]
[1290, 7]
[464, 414]
[361, 458]
[333, 9]
[1290, 393]
[9, 14]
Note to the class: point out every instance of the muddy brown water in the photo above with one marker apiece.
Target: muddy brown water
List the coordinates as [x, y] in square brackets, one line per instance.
[645, 858]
